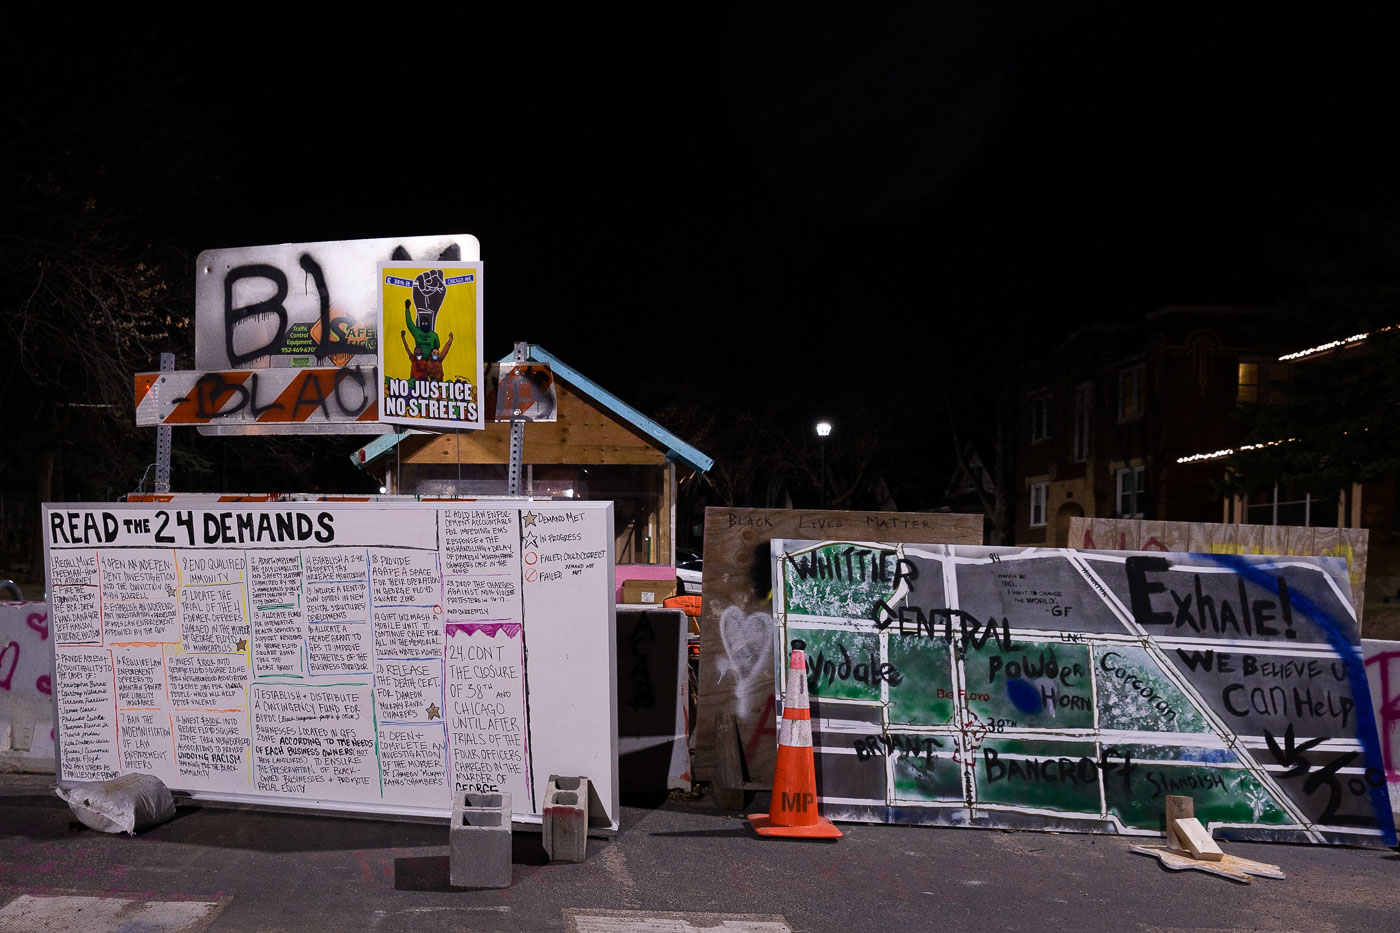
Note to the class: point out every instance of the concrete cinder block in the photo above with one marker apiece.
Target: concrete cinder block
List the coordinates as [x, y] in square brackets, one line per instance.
[480, 838]
[566, 818]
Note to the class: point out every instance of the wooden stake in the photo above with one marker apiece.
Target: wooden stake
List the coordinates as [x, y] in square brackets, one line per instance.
[1178, 808]
[728, 785]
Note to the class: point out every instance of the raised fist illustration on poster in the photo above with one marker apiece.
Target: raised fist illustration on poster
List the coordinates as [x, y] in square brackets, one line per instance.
[427, 352]
[429, 290]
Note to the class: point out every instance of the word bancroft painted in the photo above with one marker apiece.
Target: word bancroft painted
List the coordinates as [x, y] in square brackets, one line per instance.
[1074, 690]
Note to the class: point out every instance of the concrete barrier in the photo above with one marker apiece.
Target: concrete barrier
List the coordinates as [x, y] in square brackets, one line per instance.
[481, 842]
[566, 818]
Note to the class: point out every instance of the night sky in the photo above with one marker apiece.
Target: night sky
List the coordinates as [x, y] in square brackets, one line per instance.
[740, 194]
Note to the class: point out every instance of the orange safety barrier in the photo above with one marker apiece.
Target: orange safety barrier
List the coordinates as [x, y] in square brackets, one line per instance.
[793, 810]
[689, 604]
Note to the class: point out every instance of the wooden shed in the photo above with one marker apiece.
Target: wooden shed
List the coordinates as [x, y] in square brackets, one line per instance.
[599, 447]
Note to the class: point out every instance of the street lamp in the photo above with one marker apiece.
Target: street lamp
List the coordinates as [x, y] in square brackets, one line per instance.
[823, 430]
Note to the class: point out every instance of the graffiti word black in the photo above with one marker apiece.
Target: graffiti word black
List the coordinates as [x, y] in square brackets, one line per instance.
[214, 396]
[329, 340]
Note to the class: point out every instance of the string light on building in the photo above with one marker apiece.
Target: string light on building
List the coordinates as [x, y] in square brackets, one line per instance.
[1228, 451]
[1351, 341]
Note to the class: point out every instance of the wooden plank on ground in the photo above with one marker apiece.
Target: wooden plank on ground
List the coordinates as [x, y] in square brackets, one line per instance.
[1198, 840]
[1232, 867]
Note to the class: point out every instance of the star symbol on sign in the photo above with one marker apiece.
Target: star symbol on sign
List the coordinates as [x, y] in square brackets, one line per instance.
[241, 645]
[529, 518]
[531, 541]
[434, 712]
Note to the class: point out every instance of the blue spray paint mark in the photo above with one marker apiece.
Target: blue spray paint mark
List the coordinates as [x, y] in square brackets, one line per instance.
[1219, 756]
[1024, 696]
[1338, 632]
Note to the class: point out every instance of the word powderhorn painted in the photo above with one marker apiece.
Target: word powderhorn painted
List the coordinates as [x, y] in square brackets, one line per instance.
[1075, 690]
[432, 369]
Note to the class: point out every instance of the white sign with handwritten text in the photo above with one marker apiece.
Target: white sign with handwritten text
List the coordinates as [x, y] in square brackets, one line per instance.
[380, 657]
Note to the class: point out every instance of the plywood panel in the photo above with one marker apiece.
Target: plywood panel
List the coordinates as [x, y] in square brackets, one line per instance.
[1272, 539]
[1163, 536]
[1096, 533]
[736, 629]
[1209, 538]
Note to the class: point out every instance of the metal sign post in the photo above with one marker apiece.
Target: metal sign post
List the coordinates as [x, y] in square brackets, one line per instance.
[167, 365]
[517, 435]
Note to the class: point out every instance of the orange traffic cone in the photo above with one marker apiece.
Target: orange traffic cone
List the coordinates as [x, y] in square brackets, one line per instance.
[794, 805]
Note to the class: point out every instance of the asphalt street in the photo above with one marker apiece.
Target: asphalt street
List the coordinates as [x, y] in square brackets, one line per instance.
[676, 861]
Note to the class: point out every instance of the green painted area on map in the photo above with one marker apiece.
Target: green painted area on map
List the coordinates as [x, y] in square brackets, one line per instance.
[838, 580]
[1052, 775]
[918, 779]
[1135, 694]
[1037, 685]
[839, 663]
[1220, 793]
[925, 693]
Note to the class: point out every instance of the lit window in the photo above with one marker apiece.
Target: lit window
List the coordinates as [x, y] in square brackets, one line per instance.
[1041, 427]
[1131, 489]
[1262, 382]
[1130, 386]
[1039, 494]
[1249, 383]
[1083, 420]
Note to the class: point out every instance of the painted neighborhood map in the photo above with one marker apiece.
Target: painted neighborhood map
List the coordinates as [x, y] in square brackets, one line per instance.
[1075, 690]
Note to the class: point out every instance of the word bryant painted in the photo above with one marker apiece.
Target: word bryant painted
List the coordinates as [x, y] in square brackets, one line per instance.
[1076, 690]
[361, 656]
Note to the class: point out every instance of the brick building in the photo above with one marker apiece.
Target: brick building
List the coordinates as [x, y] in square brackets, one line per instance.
[1107, 415]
